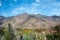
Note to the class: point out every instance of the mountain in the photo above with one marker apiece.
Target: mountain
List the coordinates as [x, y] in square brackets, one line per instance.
[1, 19]
[32, 21]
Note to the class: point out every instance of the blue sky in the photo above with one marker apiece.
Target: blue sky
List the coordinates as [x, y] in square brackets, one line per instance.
[15, 7]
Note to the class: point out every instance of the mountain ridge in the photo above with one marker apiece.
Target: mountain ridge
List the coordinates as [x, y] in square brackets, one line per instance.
[34, 21]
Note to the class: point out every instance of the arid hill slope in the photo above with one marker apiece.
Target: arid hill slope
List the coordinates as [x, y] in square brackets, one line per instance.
[32, 21]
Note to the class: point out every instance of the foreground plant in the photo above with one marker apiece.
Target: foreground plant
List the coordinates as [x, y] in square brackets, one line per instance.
[11, 32]
[1, 33]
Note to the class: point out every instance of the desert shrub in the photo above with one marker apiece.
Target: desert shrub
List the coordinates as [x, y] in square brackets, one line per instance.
[53, 36]
[57, 28]
[50, 37]
[7, 35]
[1, 32]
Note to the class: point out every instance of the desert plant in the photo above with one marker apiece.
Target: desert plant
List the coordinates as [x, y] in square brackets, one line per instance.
[11, 32]
[7, 35]
[1, 32]
[57, 28]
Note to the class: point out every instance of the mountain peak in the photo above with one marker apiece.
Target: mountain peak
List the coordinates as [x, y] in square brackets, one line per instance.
[55, 16]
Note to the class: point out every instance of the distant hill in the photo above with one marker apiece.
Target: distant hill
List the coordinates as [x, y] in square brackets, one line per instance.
[30, 21]
[1, 19]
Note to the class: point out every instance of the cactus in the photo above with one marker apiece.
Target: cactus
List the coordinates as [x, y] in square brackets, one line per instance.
[1, 32]
[7, 35]
[11, 32]
[0, 37]
[21, 38]
[34, 37]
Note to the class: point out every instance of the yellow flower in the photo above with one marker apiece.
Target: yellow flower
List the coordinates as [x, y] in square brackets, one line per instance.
[18, 33]
[26, 31]
[40, 38]
[5, 30]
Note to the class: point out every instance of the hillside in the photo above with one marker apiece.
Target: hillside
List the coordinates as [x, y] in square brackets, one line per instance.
[30, 21]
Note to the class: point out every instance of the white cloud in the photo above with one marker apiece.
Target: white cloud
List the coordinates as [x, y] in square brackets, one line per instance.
[56, 4]
[34, 4]
[36, 13]
[0, 4]
[37, 0]
[33, 9]
[18, 10]
[55, 12]
[4, 14]
[21, 8]
[44, 6]
[15, 0]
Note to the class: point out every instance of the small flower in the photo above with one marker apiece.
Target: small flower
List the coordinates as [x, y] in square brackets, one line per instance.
[5, 30]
